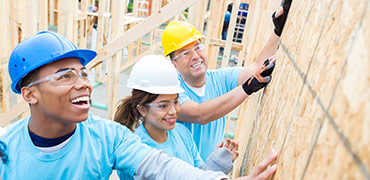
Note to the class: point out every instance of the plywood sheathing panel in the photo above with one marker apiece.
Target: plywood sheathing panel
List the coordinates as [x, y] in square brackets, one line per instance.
[330, 159]
[315, 112]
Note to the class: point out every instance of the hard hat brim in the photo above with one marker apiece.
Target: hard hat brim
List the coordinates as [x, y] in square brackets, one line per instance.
[158, 89]
[84, 55]
[190, 40]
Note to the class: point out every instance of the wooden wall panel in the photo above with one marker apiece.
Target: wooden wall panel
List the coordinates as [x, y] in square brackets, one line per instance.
[330, 160]
[316, 110]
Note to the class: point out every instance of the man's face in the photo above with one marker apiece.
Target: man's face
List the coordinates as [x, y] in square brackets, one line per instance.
[63, 102]
[194, 64]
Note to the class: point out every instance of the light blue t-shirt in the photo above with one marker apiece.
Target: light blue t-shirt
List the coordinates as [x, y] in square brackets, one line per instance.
[96, 148]
[179, 144]
[218, 83]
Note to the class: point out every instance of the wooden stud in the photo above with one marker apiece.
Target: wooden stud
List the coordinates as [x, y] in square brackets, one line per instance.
[100, 34]
[141, 29]
[214, 32]
[4, 54]
[51, 12]
[118, 12]
[230, 33]
[83, 23]
[42, 15]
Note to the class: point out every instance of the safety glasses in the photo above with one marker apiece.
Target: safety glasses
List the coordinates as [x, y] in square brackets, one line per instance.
[164, 106]
[65, 77]
[187, 53]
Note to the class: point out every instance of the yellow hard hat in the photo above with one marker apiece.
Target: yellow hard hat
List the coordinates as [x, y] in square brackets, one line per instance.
[178, 34]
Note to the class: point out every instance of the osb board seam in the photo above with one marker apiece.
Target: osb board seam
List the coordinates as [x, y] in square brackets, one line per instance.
[245, 158]
[305, 82]
[290, 121]
[342, 137]
[272, 126]
[251, 136]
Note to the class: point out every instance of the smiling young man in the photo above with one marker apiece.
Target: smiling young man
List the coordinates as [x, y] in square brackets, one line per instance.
[61, 140]
[211, 94]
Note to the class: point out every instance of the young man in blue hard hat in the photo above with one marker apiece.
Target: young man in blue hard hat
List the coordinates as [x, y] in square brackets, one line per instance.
[61, 140]
[211, 94]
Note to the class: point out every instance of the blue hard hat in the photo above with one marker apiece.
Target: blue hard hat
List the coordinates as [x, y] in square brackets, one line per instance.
[40, 49]
[227, 16]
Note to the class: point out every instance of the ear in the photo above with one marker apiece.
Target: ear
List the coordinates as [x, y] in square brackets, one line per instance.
[174, 63]
[142, 110]
[30, 94]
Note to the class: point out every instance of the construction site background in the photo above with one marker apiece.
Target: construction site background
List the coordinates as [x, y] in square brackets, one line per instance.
[315, 112]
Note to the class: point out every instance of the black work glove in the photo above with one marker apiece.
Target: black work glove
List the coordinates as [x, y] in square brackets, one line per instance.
[253, 85]
[280, 21]
[270, 68]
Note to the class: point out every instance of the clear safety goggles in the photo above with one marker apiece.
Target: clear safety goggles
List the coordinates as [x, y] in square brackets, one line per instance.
[65, 77]
[188, 52]
[164, 106]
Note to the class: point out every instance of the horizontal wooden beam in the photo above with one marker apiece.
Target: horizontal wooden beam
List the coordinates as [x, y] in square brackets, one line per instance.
[132, 62]
[153, 21]
[221, 43]
[18, 109]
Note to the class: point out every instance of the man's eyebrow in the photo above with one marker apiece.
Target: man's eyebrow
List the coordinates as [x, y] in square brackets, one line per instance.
[63, 69]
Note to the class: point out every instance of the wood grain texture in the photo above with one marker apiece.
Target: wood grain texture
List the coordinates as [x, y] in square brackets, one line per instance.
[316, 111]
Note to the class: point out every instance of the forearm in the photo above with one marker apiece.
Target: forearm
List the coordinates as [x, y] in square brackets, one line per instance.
[211, 110]
[220, 160]
[268, 51]
[158, 165]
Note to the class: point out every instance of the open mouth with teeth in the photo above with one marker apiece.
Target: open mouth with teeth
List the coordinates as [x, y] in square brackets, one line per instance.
[81, 102]
[170, 120]
[196, 65]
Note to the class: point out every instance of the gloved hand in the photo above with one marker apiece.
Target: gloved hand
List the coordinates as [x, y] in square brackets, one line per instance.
[270, 65]
[279, 20]
[253, 85]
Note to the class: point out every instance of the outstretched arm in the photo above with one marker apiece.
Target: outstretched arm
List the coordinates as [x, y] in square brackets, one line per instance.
[211, 110]
[268, 51]
[216, 108]
[278, 18]
[158, 165]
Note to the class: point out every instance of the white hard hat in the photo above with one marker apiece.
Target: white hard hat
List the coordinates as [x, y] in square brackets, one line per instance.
[154, 74]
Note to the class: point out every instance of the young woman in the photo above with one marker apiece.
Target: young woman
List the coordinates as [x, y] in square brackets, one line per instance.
[152, 110]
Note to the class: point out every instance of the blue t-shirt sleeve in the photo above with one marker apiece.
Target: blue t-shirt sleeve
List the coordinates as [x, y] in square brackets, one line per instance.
[229, 76]
[128, 151]
[183, 97]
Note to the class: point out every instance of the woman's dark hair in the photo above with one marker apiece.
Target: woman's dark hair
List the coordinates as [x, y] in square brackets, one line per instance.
[127, 113]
